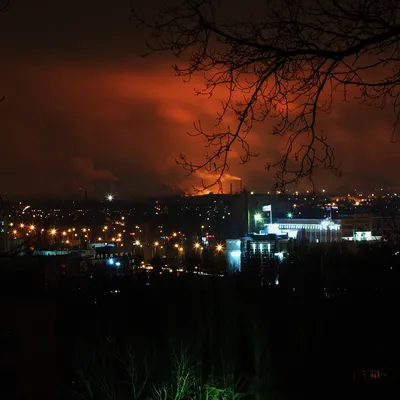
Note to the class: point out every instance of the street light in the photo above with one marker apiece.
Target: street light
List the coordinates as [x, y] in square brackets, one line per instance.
[156, 244]
[290, 215]
[197, 245]
[257, 217]
[110, 197]
[219, 247]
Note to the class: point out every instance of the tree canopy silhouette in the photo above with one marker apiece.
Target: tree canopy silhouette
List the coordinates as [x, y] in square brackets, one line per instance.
[282, 67]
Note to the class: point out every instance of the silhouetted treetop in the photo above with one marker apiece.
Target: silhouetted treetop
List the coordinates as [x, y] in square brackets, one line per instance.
[282, 67]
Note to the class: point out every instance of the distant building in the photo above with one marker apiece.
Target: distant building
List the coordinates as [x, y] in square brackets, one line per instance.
[307, 230]
[248, 214]
[3, 236]
[233, 254]
[356, 223]
[259, 248]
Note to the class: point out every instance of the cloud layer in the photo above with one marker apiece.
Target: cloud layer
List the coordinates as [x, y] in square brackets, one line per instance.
[104, 120]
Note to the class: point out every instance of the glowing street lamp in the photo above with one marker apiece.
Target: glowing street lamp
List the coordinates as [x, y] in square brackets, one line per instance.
[219, 247]
[156, 244]
[257, 217]
[197, 245]
[290, 215]
[53, 232]
[32, 227]
[137, 243]
[110, 197]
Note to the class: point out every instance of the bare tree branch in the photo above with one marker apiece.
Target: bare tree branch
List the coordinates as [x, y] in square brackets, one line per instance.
[282, 69]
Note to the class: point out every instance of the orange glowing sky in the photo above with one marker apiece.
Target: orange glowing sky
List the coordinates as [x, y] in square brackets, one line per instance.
[81, 110]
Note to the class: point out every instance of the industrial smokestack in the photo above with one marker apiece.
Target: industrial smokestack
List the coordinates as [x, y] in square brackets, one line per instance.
[231, 188]
[241, 185]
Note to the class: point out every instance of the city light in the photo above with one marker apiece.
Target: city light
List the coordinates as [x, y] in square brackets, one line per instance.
[64, 233]
[219, 247]
[290, 215]
[110, 197]
[53, 232]
[257, 217]
[156, 244]
[137, 243]
[197, 245]
[21, 225]
[32, 227]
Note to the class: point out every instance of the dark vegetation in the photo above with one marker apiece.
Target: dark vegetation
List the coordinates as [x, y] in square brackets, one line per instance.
[328, 329]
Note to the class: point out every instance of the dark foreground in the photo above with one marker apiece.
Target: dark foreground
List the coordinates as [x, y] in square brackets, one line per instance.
[314, 335]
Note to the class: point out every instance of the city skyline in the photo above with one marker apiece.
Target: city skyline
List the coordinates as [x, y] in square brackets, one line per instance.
[83, 110]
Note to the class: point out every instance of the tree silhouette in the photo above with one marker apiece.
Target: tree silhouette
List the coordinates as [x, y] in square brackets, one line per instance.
[283, 67]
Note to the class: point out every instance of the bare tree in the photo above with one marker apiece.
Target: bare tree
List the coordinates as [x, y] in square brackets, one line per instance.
[284, 66]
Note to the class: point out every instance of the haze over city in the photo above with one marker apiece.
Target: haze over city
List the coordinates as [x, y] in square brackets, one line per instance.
[81, 109]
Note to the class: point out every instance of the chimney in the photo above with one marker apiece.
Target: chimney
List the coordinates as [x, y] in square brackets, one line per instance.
[231, 188]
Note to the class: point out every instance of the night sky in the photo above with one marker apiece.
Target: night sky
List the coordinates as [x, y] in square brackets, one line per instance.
[82, 110]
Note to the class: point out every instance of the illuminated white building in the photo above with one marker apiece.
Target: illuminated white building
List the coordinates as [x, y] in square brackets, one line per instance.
[307, 230]
[262, 248]
[233, 254]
